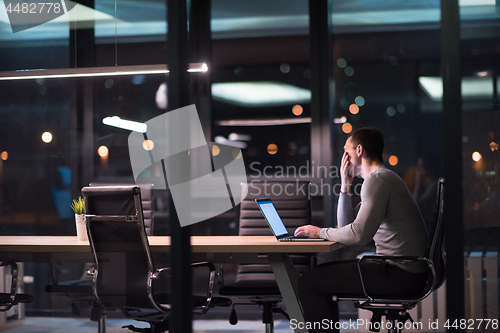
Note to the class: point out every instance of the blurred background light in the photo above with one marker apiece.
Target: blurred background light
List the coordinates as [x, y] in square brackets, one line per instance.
[103, 151]
[476, 156]
[347, 128]
[393, 160]
[259, 93]
[272, 149]
[47, 137]
[297, 110]
[148, 145]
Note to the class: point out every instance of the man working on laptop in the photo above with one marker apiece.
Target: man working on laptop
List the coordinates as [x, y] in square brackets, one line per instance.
[387, 214]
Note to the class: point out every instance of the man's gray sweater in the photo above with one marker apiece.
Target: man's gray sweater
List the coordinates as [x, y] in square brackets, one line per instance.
[388, 214]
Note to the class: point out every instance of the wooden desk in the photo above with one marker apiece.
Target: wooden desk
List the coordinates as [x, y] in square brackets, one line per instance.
[212, 248]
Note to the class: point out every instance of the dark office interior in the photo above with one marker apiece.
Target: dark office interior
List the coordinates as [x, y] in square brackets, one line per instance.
[287, 81]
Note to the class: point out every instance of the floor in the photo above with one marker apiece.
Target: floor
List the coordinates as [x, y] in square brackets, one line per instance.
[81, 325]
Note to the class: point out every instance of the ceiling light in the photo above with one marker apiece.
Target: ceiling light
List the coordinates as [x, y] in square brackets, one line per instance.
[125, 124]
[239, 137]
[476, 2]
[223, 141]
[340, 120]
[472, 87]
[94, 71]
[264, 122]
[260, 93]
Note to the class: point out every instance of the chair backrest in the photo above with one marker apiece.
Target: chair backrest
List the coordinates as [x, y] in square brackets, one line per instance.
[117, 236]
[147, 200]
[437, 240]
[291, 199]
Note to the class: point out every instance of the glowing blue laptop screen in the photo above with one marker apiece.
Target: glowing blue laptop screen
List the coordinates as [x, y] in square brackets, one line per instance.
[273, 218]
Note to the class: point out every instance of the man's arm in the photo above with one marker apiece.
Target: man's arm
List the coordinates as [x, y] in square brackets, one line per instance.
[374, 199]
[345, 212]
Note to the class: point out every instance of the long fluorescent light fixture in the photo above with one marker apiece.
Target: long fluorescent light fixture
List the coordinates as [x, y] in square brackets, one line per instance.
[259, 93]
[94, 71]
[476, 2]
[125, 124]
[264, 122]
[472, 87]
[223, 141]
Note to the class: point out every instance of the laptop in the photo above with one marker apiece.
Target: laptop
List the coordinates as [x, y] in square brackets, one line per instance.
[276, 224]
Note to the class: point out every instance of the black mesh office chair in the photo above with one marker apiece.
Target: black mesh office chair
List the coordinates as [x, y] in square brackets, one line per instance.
[255, 281]
[124, 276]
[80, 291]
[396, 309]
[8, 300]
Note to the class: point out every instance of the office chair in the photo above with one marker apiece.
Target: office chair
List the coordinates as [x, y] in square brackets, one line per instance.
[396, 309]
[80, 291]
[124, 276]
[8, 300]
[255, 281]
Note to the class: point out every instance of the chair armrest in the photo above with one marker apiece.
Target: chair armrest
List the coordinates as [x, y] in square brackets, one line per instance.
[90, 271]
[211, 282]
[13, 285]
[156, 274]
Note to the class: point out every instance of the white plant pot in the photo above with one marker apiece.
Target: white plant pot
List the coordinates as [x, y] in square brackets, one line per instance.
[81, 228]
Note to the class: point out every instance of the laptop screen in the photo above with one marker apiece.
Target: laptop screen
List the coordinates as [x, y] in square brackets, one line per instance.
[273, 218]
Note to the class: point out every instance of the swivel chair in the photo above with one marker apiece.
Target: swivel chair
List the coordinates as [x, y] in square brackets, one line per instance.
[396, 309]
[255, 282]
[124, 276]
[80, 291]
[8, 300]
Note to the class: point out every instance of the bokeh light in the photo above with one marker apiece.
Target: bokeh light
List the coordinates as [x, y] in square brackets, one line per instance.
[353, 108]
[359, 100]
[347, 128]
[148, 145]
[391, 111]
[341, 62]
[476, 156]
[297, 110]
[285, 68]
[103, 151]
[4, 155]
[349, 71]
[401, 107]
[272, 149]
[215, 150]
[393, 160]
[47, 137]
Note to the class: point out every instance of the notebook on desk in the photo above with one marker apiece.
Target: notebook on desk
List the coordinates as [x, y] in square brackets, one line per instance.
[276, 224]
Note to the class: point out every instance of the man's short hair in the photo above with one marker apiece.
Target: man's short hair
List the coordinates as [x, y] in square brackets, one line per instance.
[372, 141]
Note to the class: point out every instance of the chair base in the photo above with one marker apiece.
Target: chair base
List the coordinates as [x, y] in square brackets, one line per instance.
[159, 327]
[269, 309]
[396, 318]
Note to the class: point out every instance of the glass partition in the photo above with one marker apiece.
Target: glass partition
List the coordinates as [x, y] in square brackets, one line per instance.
[481, 160]
[52, 123]
[382, 53]
[260, 90]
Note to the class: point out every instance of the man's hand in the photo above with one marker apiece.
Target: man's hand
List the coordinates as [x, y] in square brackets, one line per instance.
[346, 174]
[310, 231]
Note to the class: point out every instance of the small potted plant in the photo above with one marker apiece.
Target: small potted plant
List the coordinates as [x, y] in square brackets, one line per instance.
[78, 206]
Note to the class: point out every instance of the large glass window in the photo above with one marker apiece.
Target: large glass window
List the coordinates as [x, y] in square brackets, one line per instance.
[481, 161]
[381, 52]
[260, 90]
